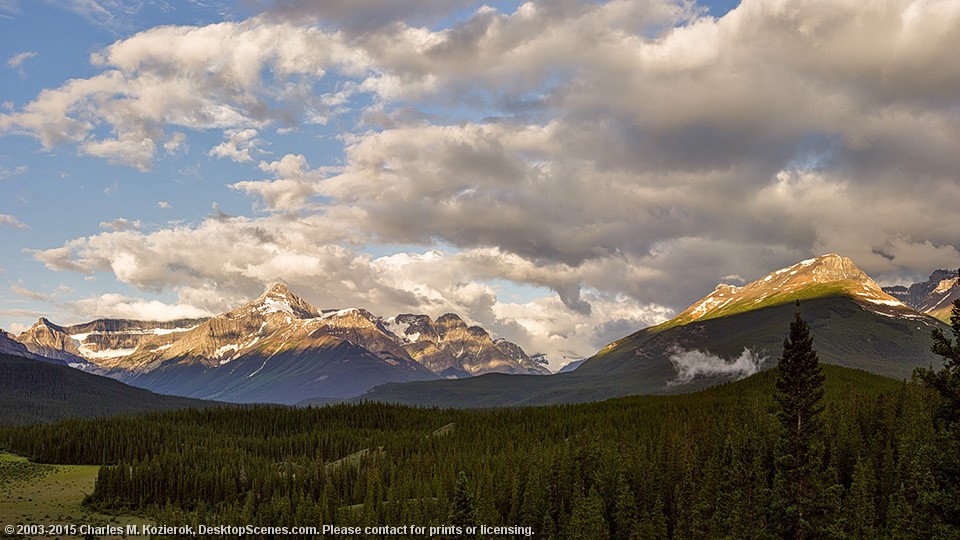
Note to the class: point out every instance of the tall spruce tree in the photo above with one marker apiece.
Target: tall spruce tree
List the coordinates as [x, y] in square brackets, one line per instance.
[799, 392]
[463, 513]
[946, 382]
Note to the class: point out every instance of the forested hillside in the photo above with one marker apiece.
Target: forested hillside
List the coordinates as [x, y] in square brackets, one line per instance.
[36, 391]
[692, 466]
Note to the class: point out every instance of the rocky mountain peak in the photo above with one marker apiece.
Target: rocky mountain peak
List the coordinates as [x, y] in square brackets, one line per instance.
[43, 322]
[41, 328]
[448, 345]
[450, 319]
[353, 317]
[49, 340]
[943, 274]
[811, 278]
[833, 267]
[277, 291]
[278, 298]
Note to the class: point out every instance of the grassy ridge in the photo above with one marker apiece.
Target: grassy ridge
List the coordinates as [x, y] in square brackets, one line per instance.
[777, 298]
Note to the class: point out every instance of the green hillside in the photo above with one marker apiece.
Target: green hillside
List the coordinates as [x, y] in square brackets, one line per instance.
[844, 333]
[34, 391]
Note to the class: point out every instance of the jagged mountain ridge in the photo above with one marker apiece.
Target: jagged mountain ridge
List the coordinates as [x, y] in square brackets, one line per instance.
[10, 345]
[111, 338]
[279, 318]
[276, 348]
[277, 335]
[853, 322]
[449, 345]
[934, 297]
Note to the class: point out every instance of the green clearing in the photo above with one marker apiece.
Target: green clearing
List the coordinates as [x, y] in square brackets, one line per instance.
[37, 494]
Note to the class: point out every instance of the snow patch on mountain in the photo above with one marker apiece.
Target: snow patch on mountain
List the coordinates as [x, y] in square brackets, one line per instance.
[167, 331]
[271, 305]
[881, 301]
[105, 354]
[340, 313]
[233, 347]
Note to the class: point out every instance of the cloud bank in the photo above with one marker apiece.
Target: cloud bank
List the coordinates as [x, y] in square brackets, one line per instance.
[620, 156]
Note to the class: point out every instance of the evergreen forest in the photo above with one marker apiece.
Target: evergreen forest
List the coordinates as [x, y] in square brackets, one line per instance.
[801, 451]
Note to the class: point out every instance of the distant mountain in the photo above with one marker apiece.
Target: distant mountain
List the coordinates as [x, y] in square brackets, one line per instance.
[34, 391]
[10, 345]
[934, 297]
[730, 333]
[104, 339]
[829, 275]
[277, 348]
[51, 341]
[572, 366]
[449, 346]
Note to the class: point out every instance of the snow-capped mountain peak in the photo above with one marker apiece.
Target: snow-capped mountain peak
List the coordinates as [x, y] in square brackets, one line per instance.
[278, 299]
[820, 276]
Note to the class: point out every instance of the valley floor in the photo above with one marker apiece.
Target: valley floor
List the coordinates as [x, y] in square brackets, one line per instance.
[35, 495]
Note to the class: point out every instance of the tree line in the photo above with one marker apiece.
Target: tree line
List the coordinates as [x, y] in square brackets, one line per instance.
[801, 451]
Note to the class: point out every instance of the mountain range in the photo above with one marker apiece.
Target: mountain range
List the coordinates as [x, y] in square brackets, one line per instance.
[728, 334]
[276, 348]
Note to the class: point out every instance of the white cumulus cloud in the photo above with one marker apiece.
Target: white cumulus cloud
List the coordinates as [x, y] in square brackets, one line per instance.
[691, 364]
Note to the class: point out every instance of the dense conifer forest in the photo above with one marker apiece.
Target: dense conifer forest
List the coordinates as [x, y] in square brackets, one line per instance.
[874, 458]
[693, 466]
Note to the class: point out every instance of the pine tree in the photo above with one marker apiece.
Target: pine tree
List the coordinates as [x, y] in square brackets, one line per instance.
[464, 510]
[625, 515]
[946, 382]
[860, 509]
[587, 519]
[799, 392]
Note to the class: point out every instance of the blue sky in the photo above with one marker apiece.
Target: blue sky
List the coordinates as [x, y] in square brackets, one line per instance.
[558, 171]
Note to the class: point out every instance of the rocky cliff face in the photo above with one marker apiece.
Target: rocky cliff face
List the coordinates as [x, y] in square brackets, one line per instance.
[103, 339]
[50, 341]
[934, 296]
[10, 345]
[449, 346]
